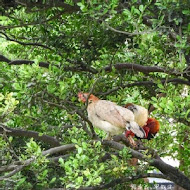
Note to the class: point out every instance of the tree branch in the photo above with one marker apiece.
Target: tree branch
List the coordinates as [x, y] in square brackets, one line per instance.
[172, 173]
[31, 134]
[4, 59]
[62, 149]
[80, 68]
[25, 43]
[21, 62]
[119, 66]
[141, 68]
[41, 5]
[89, 123]
[17, 168]
[145, 83]
[123, 180]
[80, 113]
[44, 64]
[19, 165]
[56, 159]
[125, 140]
[127, 33]
[56, 3]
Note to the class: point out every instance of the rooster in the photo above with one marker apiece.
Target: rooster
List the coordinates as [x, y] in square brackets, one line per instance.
[150, 125]
[110, 117]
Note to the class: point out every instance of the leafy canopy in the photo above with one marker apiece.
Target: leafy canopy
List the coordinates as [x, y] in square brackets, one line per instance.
[122, 51]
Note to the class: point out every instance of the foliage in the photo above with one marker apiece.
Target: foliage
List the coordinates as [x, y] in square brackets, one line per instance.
[50, 53]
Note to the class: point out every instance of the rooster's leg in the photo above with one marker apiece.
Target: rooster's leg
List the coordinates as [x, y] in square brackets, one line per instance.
[108, 137]
[131, 141]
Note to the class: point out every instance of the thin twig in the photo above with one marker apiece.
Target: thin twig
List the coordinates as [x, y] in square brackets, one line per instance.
[25, 43]
[128, 33]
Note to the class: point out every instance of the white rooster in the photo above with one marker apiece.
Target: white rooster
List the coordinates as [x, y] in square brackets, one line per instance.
[110, 117]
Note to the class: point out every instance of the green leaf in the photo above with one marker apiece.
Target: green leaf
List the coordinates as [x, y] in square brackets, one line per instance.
[1, 97]
[188, 27]
[187, 115]
[51, 88]
[16, 86]
[53, 180]
[79, 150]
[82, 6]
[98, 144]
[186, 12]
[79, 180]
[141, 8]
[154, 99]
[61, 161]
[84, 145]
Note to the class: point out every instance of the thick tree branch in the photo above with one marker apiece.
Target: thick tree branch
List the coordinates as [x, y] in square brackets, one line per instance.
[145, 83]
[140, 146]
[19, 165]
[56, 158]
[119, 66]
[172, 173]
[131, 66]
[44, 64]
[80, 68]
[4, 59]
[140, 68]
[128, 66]
[60, 149]
[21, 62]
[123, 180]
[16, 169]
[31, 134]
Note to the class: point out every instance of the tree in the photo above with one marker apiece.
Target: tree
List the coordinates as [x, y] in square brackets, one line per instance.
[122, 51]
